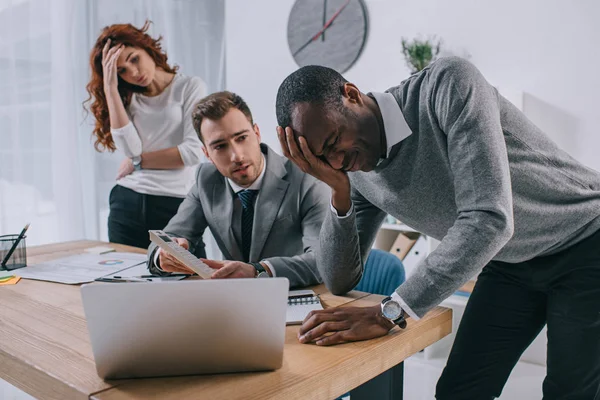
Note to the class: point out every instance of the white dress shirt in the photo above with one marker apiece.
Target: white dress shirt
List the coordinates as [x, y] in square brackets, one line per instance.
[256, 185]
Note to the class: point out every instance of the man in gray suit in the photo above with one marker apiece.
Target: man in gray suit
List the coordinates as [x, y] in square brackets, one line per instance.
[263, 211]
[446, 154]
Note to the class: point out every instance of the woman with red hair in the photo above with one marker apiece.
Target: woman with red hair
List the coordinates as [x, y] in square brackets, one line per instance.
[143, 108]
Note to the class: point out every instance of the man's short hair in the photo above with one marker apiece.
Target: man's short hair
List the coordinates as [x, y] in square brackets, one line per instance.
[215, 106]
[312, 84]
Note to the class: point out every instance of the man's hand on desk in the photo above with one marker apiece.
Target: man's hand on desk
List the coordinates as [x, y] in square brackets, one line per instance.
[230, 269]
[340, 325]
[169, 263]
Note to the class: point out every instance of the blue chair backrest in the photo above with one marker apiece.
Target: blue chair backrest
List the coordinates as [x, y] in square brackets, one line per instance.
[383, 273]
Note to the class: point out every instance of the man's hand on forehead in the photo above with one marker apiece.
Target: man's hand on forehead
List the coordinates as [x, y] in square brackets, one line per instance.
[296, 149]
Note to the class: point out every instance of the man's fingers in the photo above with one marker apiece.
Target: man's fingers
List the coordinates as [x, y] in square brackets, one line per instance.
[336, 338]
[224, 272]
[170, 259]
[292, 144]
[314, 318]
[171, 264]
[306, 152]
[290, 148]
[295, 152]
[214, 264]
[323, 329]
[173, 267]
[183, 243]
[283, 142]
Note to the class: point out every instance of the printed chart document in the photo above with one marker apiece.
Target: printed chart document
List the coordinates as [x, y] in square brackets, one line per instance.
[81, 268]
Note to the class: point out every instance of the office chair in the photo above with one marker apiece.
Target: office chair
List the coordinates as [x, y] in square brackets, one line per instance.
[383, 273]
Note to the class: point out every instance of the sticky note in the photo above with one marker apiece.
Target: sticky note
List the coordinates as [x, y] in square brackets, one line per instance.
[12, 281]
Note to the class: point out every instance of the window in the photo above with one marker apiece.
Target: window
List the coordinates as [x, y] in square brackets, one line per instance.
[50, 174]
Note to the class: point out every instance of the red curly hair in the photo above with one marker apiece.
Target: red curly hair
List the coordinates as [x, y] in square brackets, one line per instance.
[128, 35]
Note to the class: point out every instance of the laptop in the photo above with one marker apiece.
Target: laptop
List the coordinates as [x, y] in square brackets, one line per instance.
[140, 330]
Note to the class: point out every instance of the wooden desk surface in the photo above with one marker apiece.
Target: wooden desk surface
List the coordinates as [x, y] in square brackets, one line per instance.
[45, 349]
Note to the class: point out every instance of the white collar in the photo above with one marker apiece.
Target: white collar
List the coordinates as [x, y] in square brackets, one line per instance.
[256, 185]
[394, 124]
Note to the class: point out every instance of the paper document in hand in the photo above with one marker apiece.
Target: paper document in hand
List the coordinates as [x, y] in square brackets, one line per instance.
[167, 244]
[81, 268]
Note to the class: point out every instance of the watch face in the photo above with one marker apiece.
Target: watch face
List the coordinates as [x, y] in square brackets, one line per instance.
[391, 310]
[331, 33]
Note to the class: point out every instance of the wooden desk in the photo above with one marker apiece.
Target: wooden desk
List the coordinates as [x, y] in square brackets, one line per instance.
[45, 349]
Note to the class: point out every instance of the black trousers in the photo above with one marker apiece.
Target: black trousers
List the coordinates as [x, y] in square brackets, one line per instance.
[509, 306]
[133, 214]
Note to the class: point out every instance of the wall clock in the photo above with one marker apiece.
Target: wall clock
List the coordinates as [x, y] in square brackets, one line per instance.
[331, 33]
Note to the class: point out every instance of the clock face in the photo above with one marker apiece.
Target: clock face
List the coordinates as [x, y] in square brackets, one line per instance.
[331, 33]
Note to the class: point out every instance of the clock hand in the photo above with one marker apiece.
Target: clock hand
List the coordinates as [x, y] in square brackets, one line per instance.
[324, 18]
[333, 17]
[325, 27]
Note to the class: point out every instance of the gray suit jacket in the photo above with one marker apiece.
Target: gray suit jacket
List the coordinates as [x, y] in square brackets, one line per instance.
[289, 211]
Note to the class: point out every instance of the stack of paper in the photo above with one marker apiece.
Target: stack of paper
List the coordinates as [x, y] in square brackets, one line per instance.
[81, 268]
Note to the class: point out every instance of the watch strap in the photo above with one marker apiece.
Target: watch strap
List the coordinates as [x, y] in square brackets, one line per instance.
[259, 268]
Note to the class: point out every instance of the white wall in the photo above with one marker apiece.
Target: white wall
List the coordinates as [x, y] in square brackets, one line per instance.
[547, 49]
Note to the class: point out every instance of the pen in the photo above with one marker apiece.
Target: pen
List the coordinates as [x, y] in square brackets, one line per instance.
[117, 278]
[131, 278]
[14, 246]
[158, 276]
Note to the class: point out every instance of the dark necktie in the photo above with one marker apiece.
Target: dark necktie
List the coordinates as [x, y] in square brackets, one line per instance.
[247, 198]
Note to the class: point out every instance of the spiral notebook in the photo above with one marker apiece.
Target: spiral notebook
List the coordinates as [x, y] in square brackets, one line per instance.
[300, 303]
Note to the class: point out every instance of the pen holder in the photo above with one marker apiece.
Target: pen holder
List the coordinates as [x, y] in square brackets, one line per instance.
[18, 258]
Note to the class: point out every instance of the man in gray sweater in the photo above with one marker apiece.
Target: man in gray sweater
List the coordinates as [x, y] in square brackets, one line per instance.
[447, 155]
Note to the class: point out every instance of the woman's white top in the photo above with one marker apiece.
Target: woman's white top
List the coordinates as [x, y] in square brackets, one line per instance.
[158, 123]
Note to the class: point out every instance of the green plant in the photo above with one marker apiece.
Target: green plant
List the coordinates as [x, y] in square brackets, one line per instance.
[420, 53]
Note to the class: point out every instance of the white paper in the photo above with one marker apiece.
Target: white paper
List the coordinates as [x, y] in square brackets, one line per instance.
[81, 268]
[296, 313]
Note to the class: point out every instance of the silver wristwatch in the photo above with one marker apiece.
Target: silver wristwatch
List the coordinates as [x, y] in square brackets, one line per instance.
[137, 163]
[391, 309]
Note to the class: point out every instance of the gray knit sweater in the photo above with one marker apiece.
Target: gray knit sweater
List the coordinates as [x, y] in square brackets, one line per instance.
[476, 174]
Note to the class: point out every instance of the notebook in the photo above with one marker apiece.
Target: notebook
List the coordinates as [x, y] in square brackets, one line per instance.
[300, 303]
